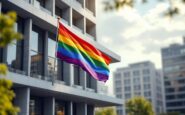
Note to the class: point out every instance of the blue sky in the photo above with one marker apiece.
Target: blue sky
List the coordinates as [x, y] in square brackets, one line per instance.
[138, 34]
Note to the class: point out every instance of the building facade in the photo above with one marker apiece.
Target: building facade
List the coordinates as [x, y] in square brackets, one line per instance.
[42, 86]
[173, 60]
[139, 79]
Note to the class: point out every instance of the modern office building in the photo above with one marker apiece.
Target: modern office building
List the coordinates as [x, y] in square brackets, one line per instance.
[139, 79]
[173, 61]
[41, 86]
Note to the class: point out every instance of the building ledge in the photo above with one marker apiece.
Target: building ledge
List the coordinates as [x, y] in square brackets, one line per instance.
[62, 91]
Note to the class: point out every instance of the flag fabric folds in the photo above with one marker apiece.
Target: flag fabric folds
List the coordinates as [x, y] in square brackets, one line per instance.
[75, 50]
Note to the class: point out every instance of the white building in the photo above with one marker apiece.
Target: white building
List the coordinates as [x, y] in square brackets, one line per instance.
[139, 79]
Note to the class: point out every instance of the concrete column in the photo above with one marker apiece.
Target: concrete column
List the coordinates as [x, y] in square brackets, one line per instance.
[70, 16]
[22, 100]
[49, 106]
[70, 108]
[71, 76]
[81, 109]
[46, 54]
[27, 37]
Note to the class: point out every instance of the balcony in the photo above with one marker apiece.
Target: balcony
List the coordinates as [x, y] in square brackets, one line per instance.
[78, 3]
[90, 7]
[90, 29]
[77, 21]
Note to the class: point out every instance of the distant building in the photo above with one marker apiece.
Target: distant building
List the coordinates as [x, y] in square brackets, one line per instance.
[173, 60]
[139, 79]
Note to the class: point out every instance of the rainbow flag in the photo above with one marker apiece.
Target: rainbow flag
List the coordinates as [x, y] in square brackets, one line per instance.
[75, 50]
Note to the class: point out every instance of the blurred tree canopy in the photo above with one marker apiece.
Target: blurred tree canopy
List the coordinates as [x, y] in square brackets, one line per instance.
[117, 4]
[7, 35]
[139, 106]
[105, 111]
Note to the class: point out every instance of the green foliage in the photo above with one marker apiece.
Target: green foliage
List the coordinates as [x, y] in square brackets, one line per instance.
[7, 35]
[105, 111]
[139, 106]
[6, 97]
[7, 32]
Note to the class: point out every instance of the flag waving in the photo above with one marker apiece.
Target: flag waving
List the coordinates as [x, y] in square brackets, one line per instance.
[75, 50]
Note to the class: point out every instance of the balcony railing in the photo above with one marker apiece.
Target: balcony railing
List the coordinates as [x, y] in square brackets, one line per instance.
[77, 3]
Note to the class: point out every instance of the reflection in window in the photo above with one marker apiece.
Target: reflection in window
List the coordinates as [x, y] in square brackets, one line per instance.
[36, 106]
[61, 108]
[36, 46]
[15, 50]
[54, 68]
[76, 75]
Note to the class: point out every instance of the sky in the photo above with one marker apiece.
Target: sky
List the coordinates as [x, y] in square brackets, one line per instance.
[138, 34]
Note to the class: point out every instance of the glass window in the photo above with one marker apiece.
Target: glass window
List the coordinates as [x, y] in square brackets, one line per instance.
[147, 94]
[146, 86]
[128, 88]
[136, 73]
[61, 108]
[76, 75]
[89, 80]
[146, 71]
[137, 87]
[146, 78]
[15, 50]
[1, 55]
[136, 80]
[126, 74]
[36, 106]
[127, 95]
[126, 81]
[37, 49]
[117, 76]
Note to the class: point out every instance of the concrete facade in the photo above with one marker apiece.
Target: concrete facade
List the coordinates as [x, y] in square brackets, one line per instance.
[139, 79]
[42, 87]
[173, 60]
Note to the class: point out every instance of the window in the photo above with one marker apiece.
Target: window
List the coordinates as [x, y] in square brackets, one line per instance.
[118, 83]
[37, 49]
[61, 108]
[15, 49]
[127, 82]
[146, 78]
[118, 89]
[146, 71]
[1, 55]
[127, 96]
[36, 106]
[127, 88]
[146, 86]
[55, 66]
[76, 75]
[118, 76]
[137, 93]
[136, 80]
[136, 73]
[119, 96]
[137, 87]
[127, 74]
[89, 80]
[147, 94]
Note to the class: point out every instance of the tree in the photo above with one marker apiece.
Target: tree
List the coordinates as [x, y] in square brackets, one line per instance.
[139, 106]
[117, 4]
[105, 111]
[7, 35]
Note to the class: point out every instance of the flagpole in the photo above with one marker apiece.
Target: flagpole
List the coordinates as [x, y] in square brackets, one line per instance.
[53, 78]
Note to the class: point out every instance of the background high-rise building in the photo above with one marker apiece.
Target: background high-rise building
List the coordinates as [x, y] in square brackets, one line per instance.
[139, 79]
[173, 60]
[40, 89]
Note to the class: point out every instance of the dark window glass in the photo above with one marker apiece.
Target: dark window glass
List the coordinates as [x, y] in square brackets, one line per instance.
[89, 80]
[36, 106]
[1, 55]
[74, 108]
[37, 47]
[76, 75]
[42, 3]
[15, 49]
[61, 108]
